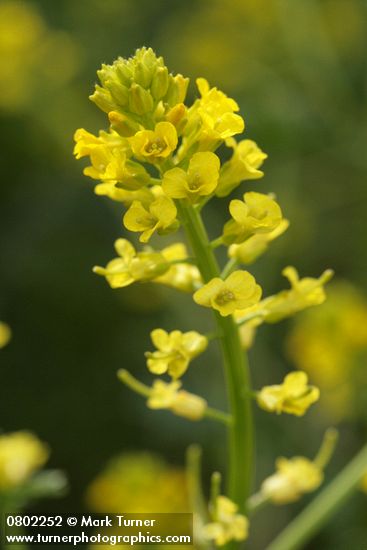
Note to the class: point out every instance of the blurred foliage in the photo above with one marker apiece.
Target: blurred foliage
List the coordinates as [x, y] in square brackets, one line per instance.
[297, 70]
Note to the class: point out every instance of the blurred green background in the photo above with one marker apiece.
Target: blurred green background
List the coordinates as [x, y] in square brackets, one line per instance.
[298, 70]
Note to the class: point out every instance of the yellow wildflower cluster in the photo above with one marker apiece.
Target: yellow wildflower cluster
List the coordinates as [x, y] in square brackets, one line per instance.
[159, 158]
[21, 454]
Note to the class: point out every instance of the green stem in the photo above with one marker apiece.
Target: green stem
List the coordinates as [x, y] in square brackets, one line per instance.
[256, 502]
[215, 490]
[235, 365]
[216, 243]
[131, 382]
[314, 517]
[220, 416]
[229, 267]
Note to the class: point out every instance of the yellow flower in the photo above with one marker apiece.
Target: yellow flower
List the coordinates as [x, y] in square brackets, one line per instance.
[150, 146]
[248, 251]
[244, 165]
[228, 524]
[139, 482]
[174, 352]
[21, 454]
[304, 293]
[294, 396]
[330, 344]
[200, 179]
[181, 275]
[216, 111]
[131, 266]
[293, 478]
[238, 291]
[5, 334]
[257, 213]
[158, 216]
[169, 396]
[109, 157]
[86, 143]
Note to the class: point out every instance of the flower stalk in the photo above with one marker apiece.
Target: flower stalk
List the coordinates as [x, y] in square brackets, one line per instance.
[240, 437]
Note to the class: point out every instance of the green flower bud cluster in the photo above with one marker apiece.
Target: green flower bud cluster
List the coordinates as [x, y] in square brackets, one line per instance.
[136, 89]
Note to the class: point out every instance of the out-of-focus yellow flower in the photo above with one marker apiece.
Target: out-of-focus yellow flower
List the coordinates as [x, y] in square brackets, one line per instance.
[330, 343]
[293, 478]
[257, 213]
[132, 266]
[200, 179]
[5, 334]
[35, 59]
[159, 216]
[174, 352]
[21, 454]
[109, 157]
[238, 291]
[244, 165]
[153, 146]
[304, 293]
[251, 249]
[180, 275]
[228, 524]
[165, 395]
[141, 483]
[293, 396]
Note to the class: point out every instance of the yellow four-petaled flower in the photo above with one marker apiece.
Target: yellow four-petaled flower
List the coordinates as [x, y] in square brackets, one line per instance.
[200, 180]
[238, 291]
[158, 216]
[174, 352]
[293, 396]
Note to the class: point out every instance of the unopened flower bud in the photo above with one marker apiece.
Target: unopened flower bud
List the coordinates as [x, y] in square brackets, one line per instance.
[119, 92]
[140, 100]
[143, 74]
[189, 406]
[122, 124]
[176, 114]
[160, 82]
[103, 99]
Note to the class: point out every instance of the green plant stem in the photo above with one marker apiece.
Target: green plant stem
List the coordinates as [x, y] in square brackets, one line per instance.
[314, 517]
[229, 267]
[235, 366]
[220, 416]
